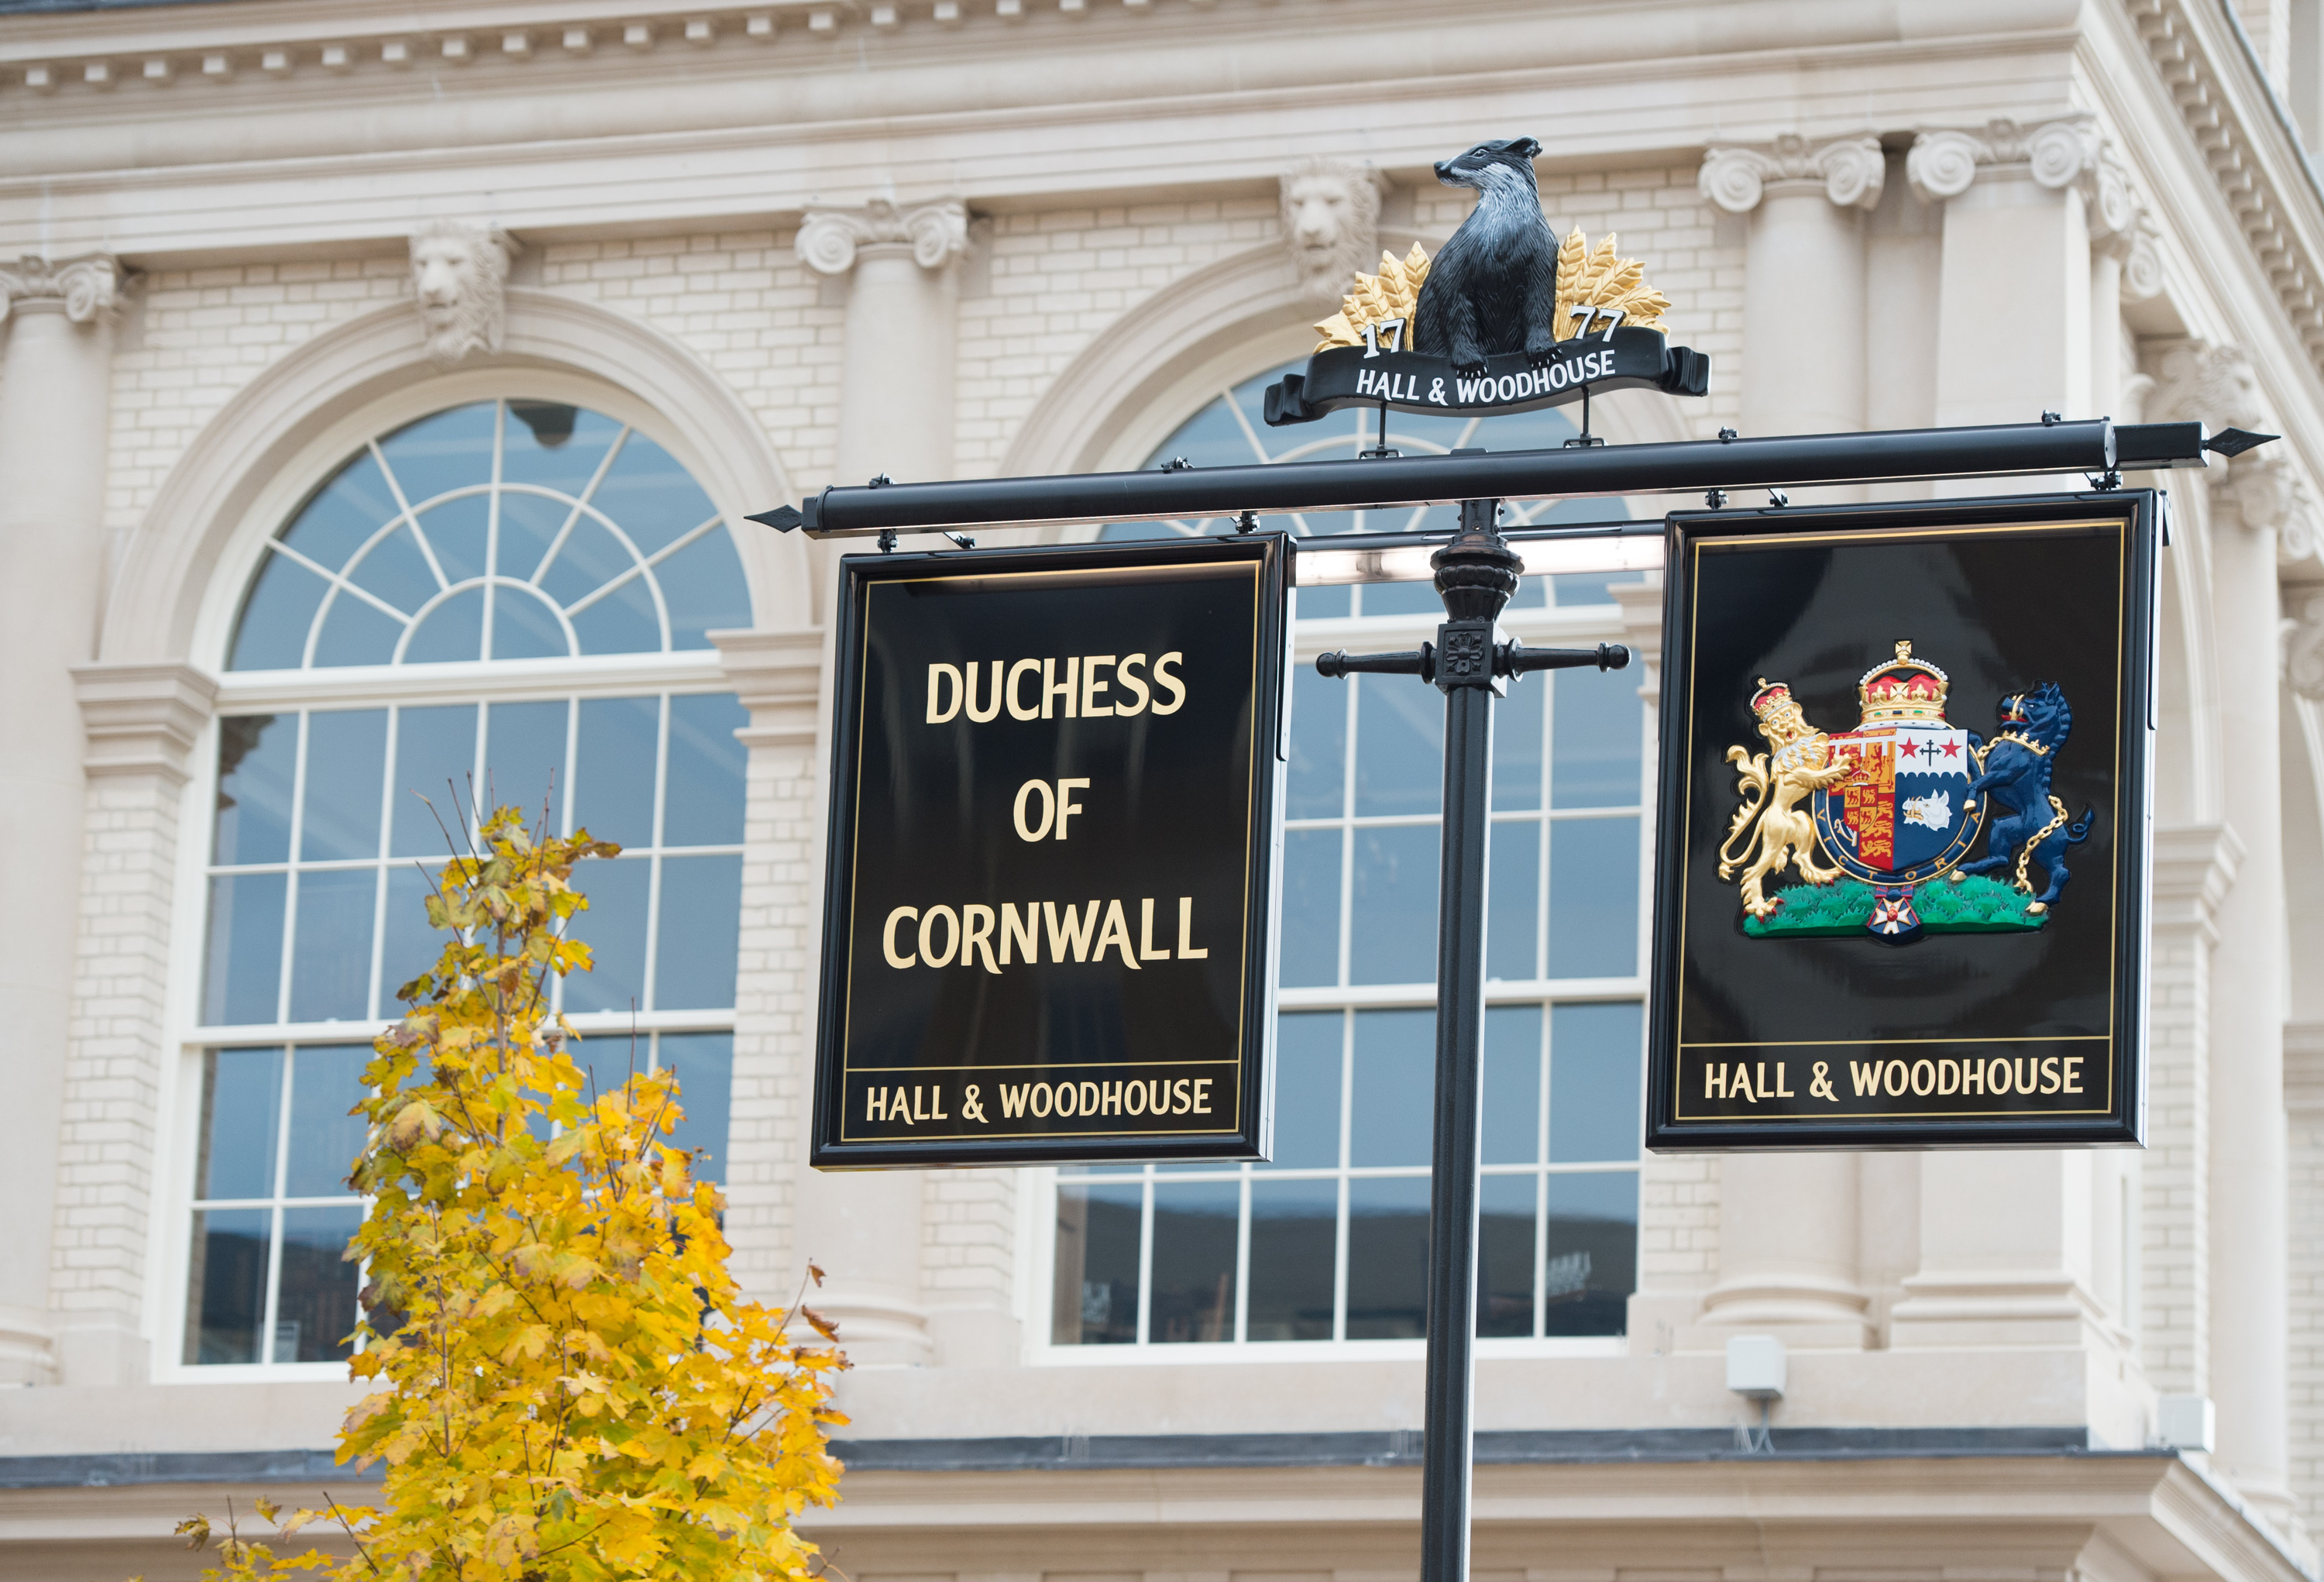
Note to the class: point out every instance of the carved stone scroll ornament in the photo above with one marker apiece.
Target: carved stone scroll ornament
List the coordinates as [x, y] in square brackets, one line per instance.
[828, 239]
[1331, 225]
[86, 287]
[1852, 169]
[459, 281]
[2303, 649]
[2065, 153]
[2198, 381]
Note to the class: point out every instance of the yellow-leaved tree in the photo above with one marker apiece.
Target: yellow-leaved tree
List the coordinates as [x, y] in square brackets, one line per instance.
[573, 1388]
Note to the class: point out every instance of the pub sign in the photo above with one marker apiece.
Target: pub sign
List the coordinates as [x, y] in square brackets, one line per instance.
[1050, 897]
[1902, 859]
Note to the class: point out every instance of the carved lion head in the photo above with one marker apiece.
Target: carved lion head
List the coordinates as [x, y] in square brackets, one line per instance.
[459, 278]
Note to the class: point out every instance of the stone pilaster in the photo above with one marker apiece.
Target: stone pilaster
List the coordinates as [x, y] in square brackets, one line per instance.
[54, 377]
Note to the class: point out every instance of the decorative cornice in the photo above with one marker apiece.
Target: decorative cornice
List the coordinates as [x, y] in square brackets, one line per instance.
[143, 719]
[777, 676]
[1852, 169]
[2211, 120]
[84, 288]
[829, 238]
[2195, 865]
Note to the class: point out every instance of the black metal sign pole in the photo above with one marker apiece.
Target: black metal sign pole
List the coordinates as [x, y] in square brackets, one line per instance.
[1476, 577]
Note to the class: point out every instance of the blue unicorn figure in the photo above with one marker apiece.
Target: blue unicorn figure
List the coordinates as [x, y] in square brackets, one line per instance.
[2016, 768]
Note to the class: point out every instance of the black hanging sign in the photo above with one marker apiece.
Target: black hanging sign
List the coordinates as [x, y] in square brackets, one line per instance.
[1615, 358]
[1048, 923]
[1902, 858]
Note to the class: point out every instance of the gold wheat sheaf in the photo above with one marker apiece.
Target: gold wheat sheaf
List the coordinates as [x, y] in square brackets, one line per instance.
[1585, 278]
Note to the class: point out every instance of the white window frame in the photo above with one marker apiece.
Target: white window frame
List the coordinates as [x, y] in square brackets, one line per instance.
[177, 1143]
[1556, 626]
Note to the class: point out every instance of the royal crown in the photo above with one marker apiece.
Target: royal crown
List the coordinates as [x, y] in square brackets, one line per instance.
[1903, 689]
[1770, 696]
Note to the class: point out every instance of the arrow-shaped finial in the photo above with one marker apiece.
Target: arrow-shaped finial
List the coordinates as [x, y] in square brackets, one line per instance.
[786, 518]
[2234, 442]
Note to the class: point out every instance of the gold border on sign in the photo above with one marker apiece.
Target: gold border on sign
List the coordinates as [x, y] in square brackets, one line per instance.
[2120, 527]
[1219, 569]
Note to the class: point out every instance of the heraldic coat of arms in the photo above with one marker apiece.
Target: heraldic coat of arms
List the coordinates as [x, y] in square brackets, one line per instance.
[1880, 821]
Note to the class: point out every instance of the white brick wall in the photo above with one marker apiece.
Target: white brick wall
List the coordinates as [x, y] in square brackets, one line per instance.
[2303, 1093]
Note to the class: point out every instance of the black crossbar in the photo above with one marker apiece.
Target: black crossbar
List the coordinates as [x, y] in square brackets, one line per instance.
[1782, 461]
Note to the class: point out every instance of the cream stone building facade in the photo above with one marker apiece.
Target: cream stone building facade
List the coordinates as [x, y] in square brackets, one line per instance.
[382, 389]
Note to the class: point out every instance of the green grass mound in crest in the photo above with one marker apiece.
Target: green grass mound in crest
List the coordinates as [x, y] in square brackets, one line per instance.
[1976, 905]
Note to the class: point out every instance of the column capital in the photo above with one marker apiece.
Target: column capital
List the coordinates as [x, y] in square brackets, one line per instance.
[829, 238]
[2195, 865]
[84, 288]
[2068, 151]
[777, 676]
[1851, 170]
[143, 719]
[2303, 648]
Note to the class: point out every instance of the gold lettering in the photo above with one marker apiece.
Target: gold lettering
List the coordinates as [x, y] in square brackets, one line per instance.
[2049, 1073]
[1179, 1102]
[1203, 1094]
[1129, 683]
[1948, 1076]
[1052, 689]
[1066, 806]
[875, 1104]
[992, 705]
[1092, 687]
[1026, 932]
[1781, 1090]
[1023, 667]
[946, 674]
[1186, 950]
[1163, 678]
[2073, 1074]
[976, 936]
[1074, 935]
[1026, 831]
[936, 1102]
[1115, 935]
[1145, 951]
[1714, 1079]
[952, 935]
[1109, 1099]
[1865, 1073]
[888, 934]
[1923, 1069]
[1973, 1076]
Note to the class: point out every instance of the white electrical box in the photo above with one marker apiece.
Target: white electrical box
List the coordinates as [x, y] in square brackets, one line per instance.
[2181, 1422]
[1755, 1366]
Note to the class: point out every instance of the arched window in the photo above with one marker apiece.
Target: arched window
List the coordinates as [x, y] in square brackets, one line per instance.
[1327, 1242]
[566, 563]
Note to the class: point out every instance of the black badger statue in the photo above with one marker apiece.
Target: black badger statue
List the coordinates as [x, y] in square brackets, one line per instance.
[1494, 287]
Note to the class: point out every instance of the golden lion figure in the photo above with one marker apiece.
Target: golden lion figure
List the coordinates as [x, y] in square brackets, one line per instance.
[1772, 785]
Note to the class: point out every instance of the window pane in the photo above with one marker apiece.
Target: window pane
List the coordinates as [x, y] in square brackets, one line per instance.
[1593, 1083]
[1402, 598]
[705, 590]
[244, 974]
[1592, 587]
[1194, 1261]
[1388, 1258]
[705, 1064]
[355, 633]
[1599, 724]
[1324, 603]
[1512, 899]
[393, 570]
[272, 633]
[556, 446]
[614, 778]
[346, 764]
[1593, 897]
[409, 947]
[326, 1083]
[226, 1292]
[343, 514]
[1307, 1091]
[650, 495]
[623, 620]
[1294, 1246]
[1318, 778]
[529, 526]
[442, 452]
[525, 625]
[614, 928]
[451, 633]
[1399, 746]
[1310, 943]
[315, 1310]
[1505, 1255]
[701, 926]
[258, 755]
[1393, 939]
[435, 759]
[1395, 1087]
[1593, 1250]
[1510, 1093]
[524, 755]
[1097, 1266]
[241, 1104]
[456, 531]
[1516, 748]
[330, 960]
[704, 777]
